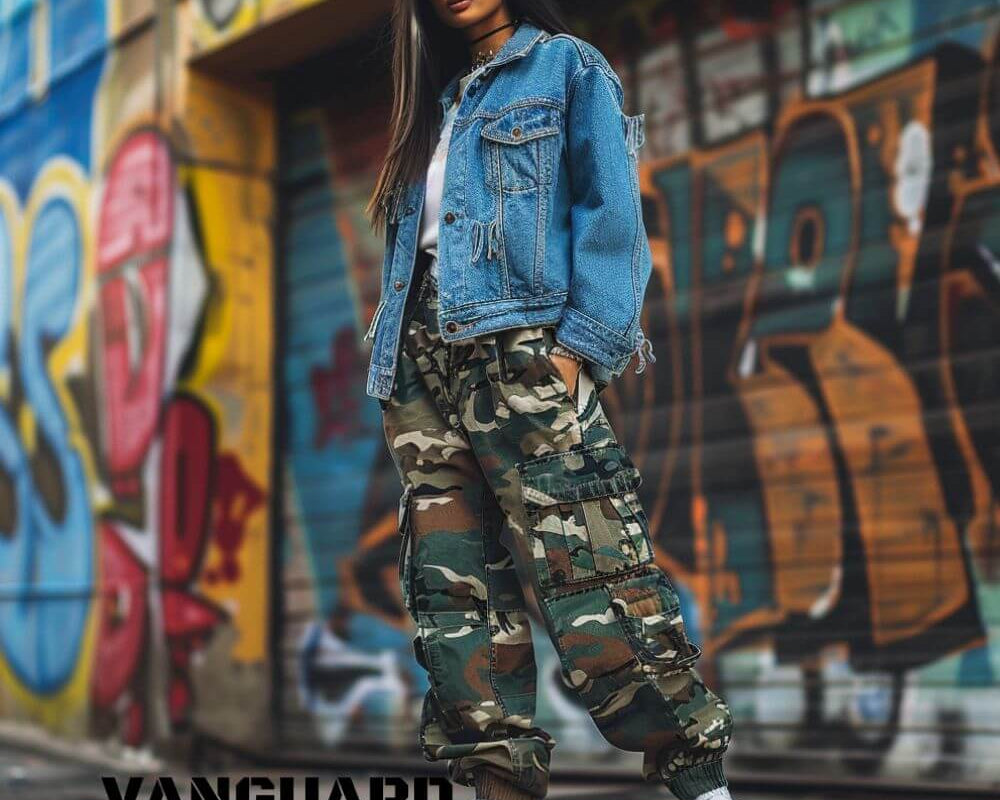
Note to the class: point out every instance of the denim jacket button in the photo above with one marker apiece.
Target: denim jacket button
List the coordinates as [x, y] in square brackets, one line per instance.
[451, 327]
[516, 133]
[398, 286]
[449, 218]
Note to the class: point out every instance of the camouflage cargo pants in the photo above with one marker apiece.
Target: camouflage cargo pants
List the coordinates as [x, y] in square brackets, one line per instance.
[485, 432]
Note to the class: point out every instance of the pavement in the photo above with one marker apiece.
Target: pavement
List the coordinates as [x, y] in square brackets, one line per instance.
[34, 773]
[27, 775]
[31, 775]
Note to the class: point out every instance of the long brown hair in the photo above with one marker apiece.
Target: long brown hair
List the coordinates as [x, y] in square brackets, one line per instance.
[426, 54]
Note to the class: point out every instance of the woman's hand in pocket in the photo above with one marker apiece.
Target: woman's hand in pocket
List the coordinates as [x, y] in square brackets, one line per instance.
[569, 371]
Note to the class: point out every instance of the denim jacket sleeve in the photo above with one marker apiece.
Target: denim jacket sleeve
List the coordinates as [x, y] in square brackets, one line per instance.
[611, 256]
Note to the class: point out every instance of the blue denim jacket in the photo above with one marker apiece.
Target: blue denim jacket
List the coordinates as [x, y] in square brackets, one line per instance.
[540, 220]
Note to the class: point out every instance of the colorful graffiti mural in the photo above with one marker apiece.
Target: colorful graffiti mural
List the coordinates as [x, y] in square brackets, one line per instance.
[134, 435]
[818, 435]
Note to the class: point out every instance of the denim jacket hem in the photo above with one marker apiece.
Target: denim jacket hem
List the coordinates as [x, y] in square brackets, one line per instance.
[381, 379]
[590, 338]
[519, 317]
[496, 308]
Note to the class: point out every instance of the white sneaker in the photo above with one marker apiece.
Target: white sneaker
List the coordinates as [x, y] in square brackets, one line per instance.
[721, 793]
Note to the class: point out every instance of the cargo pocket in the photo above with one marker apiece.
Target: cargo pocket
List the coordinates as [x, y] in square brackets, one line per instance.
[650, 613]
[595, 657]
[456, 650]
[584, 514]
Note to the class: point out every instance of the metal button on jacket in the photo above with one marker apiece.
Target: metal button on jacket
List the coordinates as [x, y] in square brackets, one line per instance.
[449, 218]
[451, 327]
[398, 286]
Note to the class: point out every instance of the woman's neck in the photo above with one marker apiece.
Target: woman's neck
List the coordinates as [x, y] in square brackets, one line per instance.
[494, 41]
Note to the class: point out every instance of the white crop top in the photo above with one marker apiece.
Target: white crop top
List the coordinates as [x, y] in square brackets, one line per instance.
[435, 178]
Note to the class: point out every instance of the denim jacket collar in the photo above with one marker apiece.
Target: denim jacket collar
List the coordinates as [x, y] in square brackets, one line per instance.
[525, 36]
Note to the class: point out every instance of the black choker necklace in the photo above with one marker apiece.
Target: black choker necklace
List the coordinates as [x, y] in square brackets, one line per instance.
[482, 58]
[500, 28]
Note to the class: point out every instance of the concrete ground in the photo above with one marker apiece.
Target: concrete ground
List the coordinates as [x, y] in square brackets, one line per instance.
[27, 775]
[31, 773]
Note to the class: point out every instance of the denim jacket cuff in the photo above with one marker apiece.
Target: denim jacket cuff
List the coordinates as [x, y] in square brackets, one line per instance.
[569, 351]
[593, 341]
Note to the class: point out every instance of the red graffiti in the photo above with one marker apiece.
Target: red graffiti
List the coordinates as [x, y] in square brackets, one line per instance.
[237, 498]
[333, 388]
[134, 230]
[188, 616]
[186, 479]
[122, 618]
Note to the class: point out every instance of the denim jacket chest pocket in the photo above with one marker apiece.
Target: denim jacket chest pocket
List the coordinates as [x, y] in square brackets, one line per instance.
[521, 147]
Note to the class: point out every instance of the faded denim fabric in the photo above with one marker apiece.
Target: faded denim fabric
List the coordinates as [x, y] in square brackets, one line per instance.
[540, 220]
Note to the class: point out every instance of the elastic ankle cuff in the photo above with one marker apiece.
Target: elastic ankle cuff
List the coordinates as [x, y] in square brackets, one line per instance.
[698, 780]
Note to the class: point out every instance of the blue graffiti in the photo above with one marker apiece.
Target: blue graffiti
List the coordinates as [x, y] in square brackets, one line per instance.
[46, 530]
[47, 559]
[47, 99]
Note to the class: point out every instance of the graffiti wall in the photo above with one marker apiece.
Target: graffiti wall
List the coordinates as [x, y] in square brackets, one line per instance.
[832, 499]
[186, 275]
[818, 436]
[135, 385]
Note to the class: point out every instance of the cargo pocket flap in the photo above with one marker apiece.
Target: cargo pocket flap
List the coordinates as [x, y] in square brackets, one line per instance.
[522, 124]
[576, 475]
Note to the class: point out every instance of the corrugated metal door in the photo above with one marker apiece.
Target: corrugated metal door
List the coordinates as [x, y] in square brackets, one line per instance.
[345, 671]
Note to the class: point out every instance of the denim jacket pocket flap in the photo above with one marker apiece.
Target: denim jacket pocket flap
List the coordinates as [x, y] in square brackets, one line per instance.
[577, 475]
[523, 124]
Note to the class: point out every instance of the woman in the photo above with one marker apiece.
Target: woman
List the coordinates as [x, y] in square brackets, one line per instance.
[515, 265]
